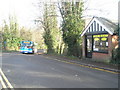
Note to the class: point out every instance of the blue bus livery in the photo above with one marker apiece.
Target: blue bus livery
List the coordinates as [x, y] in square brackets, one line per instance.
[27, 47]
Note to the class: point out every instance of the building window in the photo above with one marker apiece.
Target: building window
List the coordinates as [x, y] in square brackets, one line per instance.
[100, 43]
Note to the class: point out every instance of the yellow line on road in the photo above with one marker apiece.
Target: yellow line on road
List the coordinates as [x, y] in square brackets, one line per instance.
[5, 78]
[85, 66]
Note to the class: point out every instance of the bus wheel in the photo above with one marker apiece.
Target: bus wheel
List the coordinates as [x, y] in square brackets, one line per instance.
[33, 52]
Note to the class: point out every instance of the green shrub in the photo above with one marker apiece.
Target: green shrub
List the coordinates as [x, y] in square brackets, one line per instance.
[116, 56]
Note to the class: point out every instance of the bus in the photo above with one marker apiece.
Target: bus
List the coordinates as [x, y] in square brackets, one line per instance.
[28, 47]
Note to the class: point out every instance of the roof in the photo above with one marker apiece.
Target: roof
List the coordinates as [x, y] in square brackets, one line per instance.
[109, 26]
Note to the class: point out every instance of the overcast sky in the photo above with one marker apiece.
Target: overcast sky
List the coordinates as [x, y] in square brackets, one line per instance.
[26, 12]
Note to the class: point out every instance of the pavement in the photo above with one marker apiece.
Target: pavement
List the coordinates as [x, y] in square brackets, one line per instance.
[88, 63]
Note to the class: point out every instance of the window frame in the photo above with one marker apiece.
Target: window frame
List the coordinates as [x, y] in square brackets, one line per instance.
[100, 46]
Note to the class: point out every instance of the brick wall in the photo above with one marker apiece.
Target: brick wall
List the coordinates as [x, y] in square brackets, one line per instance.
[115, 41]
[104, 57]
[110, 45]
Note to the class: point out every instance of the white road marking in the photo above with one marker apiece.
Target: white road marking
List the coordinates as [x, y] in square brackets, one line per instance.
[5, 78]
[3, 84]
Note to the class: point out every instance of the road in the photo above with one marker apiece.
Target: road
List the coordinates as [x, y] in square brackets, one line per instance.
[38, 71]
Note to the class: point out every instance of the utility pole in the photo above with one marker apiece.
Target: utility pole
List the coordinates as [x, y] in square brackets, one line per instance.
[119, 22]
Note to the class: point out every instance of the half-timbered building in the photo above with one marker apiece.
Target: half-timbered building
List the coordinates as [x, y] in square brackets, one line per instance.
[99, 39]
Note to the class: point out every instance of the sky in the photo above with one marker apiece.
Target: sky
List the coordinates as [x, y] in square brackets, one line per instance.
[26, 11]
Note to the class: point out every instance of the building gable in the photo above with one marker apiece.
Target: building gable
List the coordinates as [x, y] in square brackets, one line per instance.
[95, 26]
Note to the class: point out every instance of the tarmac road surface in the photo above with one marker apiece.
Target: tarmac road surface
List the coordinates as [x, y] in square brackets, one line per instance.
[38, 71]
